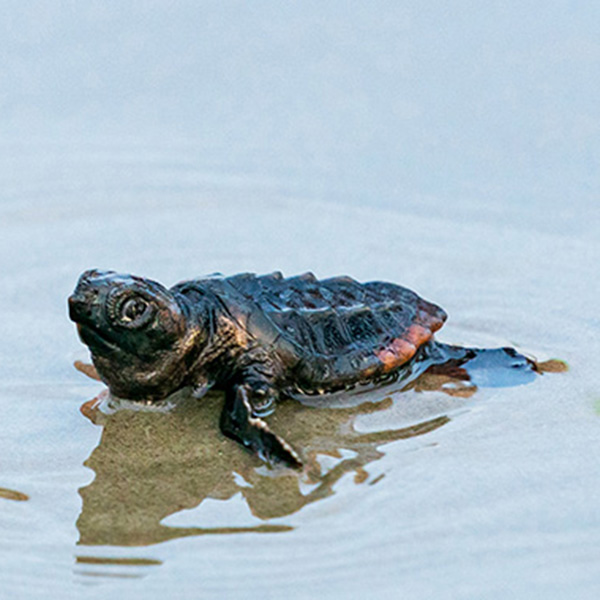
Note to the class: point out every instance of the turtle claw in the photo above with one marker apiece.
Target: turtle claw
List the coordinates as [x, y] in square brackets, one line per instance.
[239, 423]
[275, 450]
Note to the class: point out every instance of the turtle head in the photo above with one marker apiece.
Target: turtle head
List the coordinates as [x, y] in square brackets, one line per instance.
[137, 333]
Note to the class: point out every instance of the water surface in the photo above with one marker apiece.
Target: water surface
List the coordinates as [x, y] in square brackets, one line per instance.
[455, 152]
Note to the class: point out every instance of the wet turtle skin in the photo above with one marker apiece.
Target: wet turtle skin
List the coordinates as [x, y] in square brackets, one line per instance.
[259, 338]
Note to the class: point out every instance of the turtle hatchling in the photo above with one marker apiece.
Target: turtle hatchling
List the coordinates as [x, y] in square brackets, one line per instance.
[260, 339]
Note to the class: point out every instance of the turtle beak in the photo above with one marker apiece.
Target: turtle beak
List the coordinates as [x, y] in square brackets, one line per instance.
[84, 302]
[79, 308]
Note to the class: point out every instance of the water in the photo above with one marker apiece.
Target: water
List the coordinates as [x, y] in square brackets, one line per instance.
[455, 152]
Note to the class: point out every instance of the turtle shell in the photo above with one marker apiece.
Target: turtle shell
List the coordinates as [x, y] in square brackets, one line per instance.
[334, 332]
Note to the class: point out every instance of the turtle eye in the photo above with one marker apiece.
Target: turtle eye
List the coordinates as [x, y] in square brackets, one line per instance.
[132, 310]
[129, 310]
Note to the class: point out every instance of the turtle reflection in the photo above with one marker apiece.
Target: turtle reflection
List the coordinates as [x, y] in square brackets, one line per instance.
[151, 464]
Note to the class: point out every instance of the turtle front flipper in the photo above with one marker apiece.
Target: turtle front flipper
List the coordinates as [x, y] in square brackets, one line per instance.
[239, 422]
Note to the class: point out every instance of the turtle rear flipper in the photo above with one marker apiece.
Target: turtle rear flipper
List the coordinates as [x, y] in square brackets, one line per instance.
[238, 422]
[484, 367]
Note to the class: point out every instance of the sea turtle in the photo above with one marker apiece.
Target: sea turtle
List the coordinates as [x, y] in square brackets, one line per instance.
[259, 338]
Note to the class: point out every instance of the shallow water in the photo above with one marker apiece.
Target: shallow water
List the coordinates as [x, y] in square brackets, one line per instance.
[455, 153]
